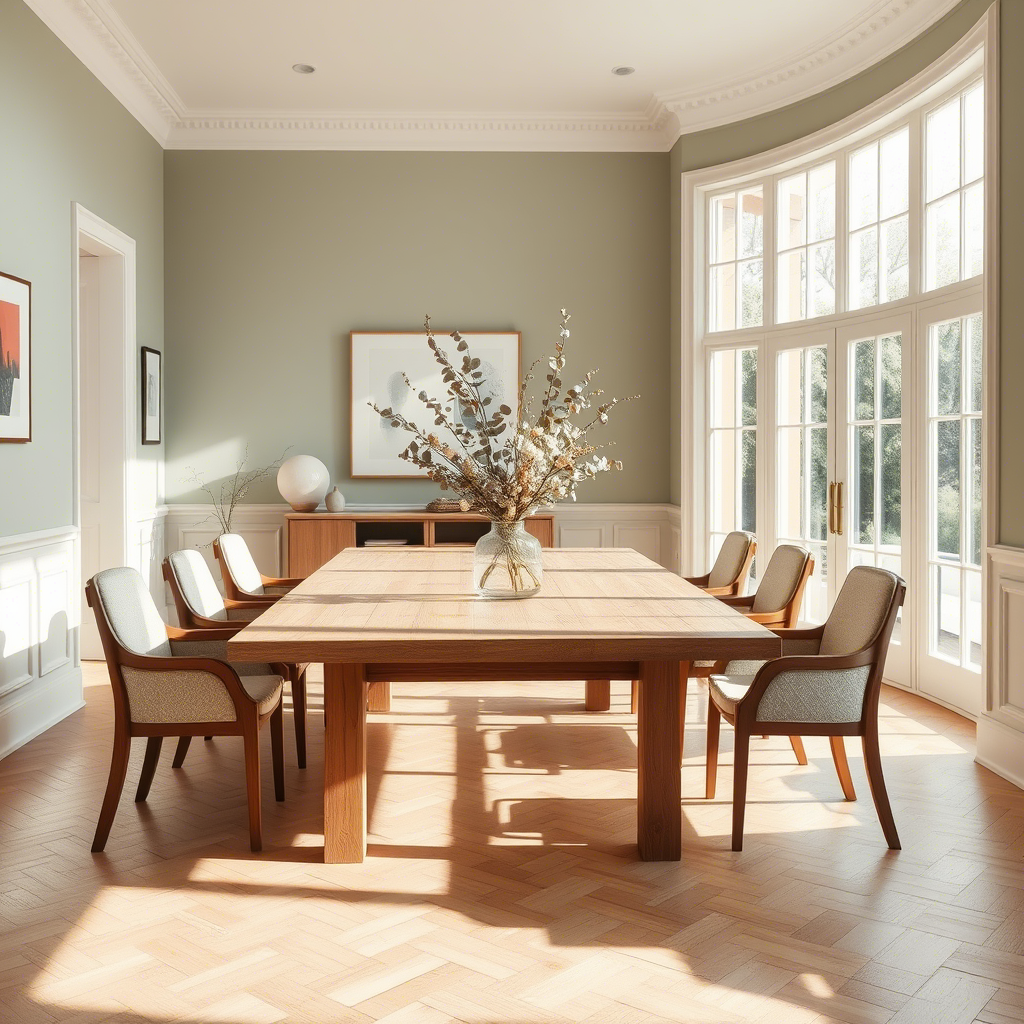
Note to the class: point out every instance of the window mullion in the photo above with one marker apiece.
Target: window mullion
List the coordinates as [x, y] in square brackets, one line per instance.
[768, 187]
[842, 206]
[916, 213]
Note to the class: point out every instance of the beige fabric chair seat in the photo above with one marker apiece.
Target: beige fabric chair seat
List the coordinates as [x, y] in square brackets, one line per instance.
[264, 690]
[729, 690]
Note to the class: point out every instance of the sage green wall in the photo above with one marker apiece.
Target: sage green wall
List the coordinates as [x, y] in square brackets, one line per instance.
[756, 135]
[272, 258]
[64, 139]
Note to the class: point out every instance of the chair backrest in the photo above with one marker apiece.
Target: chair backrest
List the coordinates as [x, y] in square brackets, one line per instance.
[130, 612]
[783, 579]
[237, 561]
[733, 560]
[196, 585]
[861, 610]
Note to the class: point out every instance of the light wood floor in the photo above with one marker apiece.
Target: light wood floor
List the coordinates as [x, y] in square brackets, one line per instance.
[502, 884]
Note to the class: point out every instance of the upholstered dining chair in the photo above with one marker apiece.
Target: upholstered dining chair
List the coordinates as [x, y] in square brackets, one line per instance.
[728, 576]
[826, 684]
[175, 682]
[199, 605]
[242, 579]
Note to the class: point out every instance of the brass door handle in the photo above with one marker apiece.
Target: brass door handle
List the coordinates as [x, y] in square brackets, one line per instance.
[832, 506]
[839, 508]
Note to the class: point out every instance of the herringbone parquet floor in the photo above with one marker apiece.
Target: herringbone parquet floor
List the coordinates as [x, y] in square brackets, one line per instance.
[502, 884]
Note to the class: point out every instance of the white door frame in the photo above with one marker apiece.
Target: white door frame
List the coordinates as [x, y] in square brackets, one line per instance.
[117, 330]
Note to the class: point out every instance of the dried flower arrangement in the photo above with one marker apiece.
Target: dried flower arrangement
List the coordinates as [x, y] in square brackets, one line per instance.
[506, 465]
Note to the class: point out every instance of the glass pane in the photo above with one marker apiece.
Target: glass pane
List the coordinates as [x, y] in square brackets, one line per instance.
[864, 186]
[790, 487]
[723, 389]
[862, 519]
[864, 380]
[974, 133]
[751, 292]
[973, 619]
[723, 228]
[946, 612]
[748, 481]
[892, 377]
[942, 156]
[864, 268]
[792, 203]
[942, 242]
[722, 300]
[817, 513]
[947, 489]
[894, 564]
[821, 202]
[790, 384]
[817, 359]
[974, 339]
[891, 483]
[895, 173]
[752, 223]
[894, 261]
[748, 386]
[974, 525]
[723, 480]
[791, 286]
[823, 279]
[974, 230]
[947, 368]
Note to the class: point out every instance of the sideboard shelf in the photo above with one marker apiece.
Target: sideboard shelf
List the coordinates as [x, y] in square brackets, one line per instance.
[316, 537]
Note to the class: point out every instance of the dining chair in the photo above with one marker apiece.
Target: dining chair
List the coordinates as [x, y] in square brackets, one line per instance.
[176, 682]
[199, 605]
[242, 579]
[826, 683]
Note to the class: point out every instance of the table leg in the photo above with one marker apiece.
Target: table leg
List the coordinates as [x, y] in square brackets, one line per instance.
[378, 697]
[599, 694]
[344, 764]
[658, 813]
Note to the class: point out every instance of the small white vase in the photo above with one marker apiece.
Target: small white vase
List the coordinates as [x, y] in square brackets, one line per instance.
[335, 501]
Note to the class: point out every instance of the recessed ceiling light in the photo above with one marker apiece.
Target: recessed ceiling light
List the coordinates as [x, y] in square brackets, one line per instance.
[622, 70]
[303, 69]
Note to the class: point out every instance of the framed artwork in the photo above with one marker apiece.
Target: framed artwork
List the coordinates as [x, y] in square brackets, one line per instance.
[379, 359]
[15, 359]
[151, 395]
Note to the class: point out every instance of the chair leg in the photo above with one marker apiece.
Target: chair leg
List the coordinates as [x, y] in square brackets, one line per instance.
[112, 796]
[684, 677]
[207, 738]
[153, 746]
[714, 730]
[180, 751]
[798, 749]
[251, 741]
[873, 763]
[741, 759]
[299, 713]
[842, 766]
[634, 696]
[277, 750]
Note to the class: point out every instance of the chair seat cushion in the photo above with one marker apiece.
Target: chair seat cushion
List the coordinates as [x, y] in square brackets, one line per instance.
[264, 690]
[728, 690]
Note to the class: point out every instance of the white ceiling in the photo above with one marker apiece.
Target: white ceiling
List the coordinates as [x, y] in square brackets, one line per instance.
[469, 74]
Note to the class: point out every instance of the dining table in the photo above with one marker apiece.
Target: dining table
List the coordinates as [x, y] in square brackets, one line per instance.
[377, 616]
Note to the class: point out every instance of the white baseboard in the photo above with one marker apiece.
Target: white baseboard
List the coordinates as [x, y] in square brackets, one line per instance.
[40, 708]
[1001, 750]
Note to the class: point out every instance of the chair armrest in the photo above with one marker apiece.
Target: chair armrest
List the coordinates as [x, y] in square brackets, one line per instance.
[250, 602]
[280, 581]
[737, 602]
[224, 631]
[698, 581]
[800, 641]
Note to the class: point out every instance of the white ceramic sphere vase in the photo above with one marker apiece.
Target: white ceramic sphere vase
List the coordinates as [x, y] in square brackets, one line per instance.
[303, 481]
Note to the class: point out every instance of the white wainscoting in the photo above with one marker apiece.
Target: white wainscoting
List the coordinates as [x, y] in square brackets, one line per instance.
[652, 529]
[40, 677]
[1001, 724]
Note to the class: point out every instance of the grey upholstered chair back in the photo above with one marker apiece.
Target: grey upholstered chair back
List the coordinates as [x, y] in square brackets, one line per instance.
[197, 585]
[860, 610]
[240, 563]
[730, 558]
[131, 611]
[782, 577]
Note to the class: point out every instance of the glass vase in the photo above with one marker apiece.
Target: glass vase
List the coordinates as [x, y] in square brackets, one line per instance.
[507, 562]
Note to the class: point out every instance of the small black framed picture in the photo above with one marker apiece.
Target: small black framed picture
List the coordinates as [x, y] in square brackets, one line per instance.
[152, 395]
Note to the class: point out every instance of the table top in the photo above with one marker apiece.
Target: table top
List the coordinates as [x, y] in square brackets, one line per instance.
[418, 605]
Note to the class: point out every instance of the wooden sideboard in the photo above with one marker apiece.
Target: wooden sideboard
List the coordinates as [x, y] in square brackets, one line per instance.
[316, 537]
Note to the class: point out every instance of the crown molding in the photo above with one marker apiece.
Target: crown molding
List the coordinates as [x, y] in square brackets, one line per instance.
[96, 34]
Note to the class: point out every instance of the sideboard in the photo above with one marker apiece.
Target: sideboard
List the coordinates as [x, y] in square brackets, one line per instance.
[316, 537]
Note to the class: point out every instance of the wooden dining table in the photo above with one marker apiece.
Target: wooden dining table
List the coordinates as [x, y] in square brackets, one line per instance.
[381, 616]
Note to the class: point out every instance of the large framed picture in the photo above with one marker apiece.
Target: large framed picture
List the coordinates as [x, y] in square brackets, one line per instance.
[379, 359]
[151, 395]
[15, 359]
